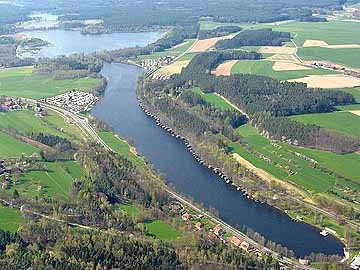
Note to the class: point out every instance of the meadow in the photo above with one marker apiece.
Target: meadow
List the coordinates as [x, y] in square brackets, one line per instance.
[333, 32]
[10, 218]
[50, 180]
[343, 122]
[11, 147]
[282, 159]
[28, 83]
[26, 122]
[264, 68]
[162, 230]
[175, 51]
[130, 209]
[347, 57]
[213, 99]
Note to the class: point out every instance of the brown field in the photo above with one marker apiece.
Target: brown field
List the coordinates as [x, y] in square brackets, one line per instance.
[277, 50]
[355, 112]
[343, 46]
[329, 81]
[174, 68]
[204, 44]
[283, 66]
[314, 43]
[225, 68]
[288, 58]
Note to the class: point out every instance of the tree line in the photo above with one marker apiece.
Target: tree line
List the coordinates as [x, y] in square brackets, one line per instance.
[218, 32]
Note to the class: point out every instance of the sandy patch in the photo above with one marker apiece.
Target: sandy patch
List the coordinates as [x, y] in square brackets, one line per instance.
[285, 58]
[225, 68]
[314, 43]
[355, 112]
[343, 46]
[283, 66]
[277, 49]
[329, 81]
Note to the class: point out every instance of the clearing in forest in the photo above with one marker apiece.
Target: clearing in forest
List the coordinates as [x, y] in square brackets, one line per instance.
[277, 50]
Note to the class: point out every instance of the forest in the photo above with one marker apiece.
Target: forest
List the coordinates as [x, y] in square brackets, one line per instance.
[259, 37]
[218, 32]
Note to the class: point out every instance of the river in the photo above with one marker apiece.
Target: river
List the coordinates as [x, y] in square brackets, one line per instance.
[119, 108]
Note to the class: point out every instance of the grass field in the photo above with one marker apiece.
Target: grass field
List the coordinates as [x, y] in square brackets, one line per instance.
[10, 218]
[52, 181]
[175, 51]
[264, 68]
[343, 122]
[26, 122]
[333, 32]
[11, 147]
[281, 159]
[213, 99]
[26, 82]
[347, 57]
[173, 68]
[122, 148]
[130, 209]
[162, 230]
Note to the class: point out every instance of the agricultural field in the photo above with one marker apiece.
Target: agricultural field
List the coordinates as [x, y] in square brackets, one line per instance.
[175, 51]
[162, 230]
[280, 160]
[10, 218]
[343, 122]
[50, 180]
[332, 32]
[26, 122]
[173, 68]
[213, 99]
[348, 57]
[28, 83]
[11, 147]
[265, 68]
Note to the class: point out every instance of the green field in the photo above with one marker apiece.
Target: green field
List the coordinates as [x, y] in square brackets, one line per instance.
[213, 99]
[343, 122]
[10, 218]
[26, 122]
[121, 147]
[175, 51]
[333, 32]
[26, 82]
[51, 181]
[264, 68]
[282, 158]
[11, 147]
[130, 209]
[210, 25]
[162, 230]
[347, 57]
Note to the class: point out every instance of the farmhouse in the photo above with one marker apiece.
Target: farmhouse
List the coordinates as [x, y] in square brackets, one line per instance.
[245, 246]
[199, 226]
[186, 216]
[218, 230]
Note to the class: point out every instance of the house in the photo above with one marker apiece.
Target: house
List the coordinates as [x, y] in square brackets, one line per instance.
[186, 216]
[235, 241]
[245, 246]
[304, 262]
[199, 226]
[218, 230]
[212, 235]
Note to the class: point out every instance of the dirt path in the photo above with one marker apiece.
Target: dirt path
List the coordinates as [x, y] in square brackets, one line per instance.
[233, 105]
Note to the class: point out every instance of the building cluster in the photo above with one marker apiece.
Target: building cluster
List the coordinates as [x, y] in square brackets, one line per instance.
[151, 65]
[160, 77]
[17, 104]
[330, 66]
[4, 175]
[75, 101]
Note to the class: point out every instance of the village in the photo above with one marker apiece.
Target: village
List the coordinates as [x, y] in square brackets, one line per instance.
[17, 104]
[152, 65]
[74, 101]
